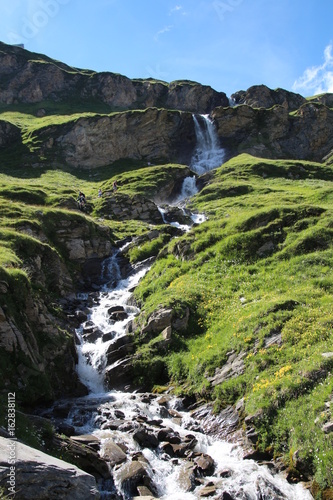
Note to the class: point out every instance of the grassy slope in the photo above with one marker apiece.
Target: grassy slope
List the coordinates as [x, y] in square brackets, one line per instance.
[260, 266]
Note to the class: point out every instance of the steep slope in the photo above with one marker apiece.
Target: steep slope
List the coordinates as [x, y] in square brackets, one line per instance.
[255, 285]
[248, 292]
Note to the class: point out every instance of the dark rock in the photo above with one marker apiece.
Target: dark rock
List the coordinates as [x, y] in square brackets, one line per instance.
[205, 465]
[113, 453]
[133, 474]
[66, 429]
[145, 438]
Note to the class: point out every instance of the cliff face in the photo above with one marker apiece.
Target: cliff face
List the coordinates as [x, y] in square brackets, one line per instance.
[153, 135]
[276, 133]
[156, 124]
[36, 340]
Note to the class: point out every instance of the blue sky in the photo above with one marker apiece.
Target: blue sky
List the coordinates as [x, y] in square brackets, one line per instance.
[227, 44]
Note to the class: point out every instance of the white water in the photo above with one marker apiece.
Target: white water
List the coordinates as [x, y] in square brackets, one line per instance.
[91, 355]
[245, 479]
[189, 188]
[242, 479]
[208, 153]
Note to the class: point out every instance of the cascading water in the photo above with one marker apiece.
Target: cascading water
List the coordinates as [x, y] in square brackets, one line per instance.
[189, 188]
[160, 441]
[92, 358]
[208, 153]
[153, 446]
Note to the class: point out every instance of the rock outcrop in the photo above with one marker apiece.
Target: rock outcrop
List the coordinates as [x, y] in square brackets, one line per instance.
[275, 133]
[38, 476]
[260, 96]
[36, 337]
[152, 135]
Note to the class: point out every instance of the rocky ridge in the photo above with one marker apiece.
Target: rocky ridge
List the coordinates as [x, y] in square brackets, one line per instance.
[149, 120]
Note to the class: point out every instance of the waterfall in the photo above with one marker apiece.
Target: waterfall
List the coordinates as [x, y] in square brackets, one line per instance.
[208, 153]
[139, 432]
[189, 188]
[92, 358]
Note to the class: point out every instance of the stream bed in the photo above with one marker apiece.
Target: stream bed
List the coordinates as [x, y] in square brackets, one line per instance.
[155, 445]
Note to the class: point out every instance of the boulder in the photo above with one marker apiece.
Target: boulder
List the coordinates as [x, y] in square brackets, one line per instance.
[133, 474]
[205, 465]
[39, 476]
[119, 374]
[113, 453]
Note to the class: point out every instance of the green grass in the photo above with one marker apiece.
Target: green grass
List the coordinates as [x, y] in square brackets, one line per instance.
[259, 268]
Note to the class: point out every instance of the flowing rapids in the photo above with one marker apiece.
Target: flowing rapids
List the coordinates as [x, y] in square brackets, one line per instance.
[117, 417]
[156, 445]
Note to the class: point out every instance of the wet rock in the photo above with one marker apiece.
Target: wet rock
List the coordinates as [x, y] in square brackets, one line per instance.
[62, 410]
[117, 313]
[207, 491]
[177, 450]
[220, 425]
[81, 316]
[119, 375]
[266, 490]
[66, 429]
[113, 425]
[119, 349]
[186, 477]
[91, 334]
[205, 465]
[107, 336]
[226, 496]
[225, 473]
[145, 438]
[144, 493]
[133, 474]
[113, 453]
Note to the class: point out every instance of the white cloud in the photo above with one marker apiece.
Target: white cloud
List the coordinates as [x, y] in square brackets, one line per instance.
[317, 79]
[162, 31]
[177, 8]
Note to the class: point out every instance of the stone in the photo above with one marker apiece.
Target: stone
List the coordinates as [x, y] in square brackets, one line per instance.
[131, 475]
[205, 465]
[145, 438]
[42, 477]
[158, 321]
[113, 453]
[328, 427]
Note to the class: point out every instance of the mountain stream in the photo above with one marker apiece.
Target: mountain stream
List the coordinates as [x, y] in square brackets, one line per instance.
[155, 444]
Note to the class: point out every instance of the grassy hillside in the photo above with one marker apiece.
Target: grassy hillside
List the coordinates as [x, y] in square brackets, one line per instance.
[257, 277]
